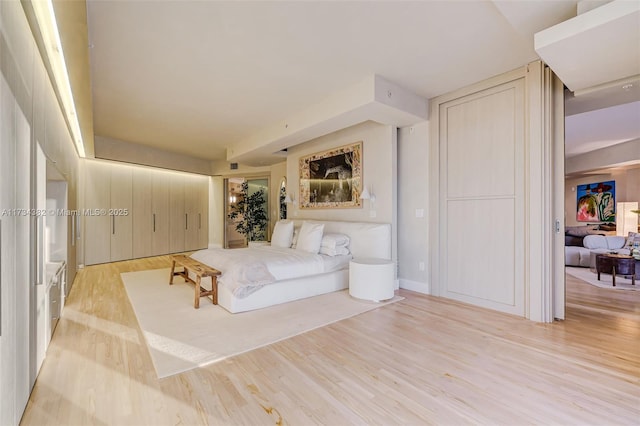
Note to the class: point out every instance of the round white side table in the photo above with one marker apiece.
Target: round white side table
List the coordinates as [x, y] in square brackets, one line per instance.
[371, 279]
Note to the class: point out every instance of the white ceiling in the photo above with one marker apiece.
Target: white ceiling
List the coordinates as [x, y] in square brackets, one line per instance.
[197, 77]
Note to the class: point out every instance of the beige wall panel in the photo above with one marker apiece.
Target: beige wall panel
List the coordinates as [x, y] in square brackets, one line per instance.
[203, 212]
[142, 212]
[192, 210]
[97, 226]
[177, 218]
[160, 211]
[121, 219]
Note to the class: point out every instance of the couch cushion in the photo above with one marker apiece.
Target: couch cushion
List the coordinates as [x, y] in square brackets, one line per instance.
[572, 240]
[593, 242]
[614, 242]
[576, 256]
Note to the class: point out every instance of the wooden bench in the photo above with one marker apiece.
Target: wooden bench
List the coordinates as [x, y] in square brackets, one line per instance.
[199, 270]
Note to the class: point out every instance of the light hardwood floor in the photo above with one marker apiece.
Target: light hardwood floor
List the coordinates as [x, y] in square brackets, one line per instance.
[423, 360]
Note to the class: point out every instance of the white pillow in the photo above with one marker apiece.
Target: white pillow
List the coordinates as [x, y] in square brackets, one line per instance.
[282, 234]
[334, 251]
[310, 237]
[334, 240]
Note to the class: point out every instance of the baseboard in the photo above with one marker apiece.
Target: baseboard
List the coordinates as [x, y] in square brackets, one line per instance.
[415, 286]
[214, 245]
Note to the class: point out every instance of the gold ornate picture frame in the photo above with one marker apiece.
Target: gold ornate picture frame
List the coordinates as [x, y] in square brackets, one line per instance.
[332, 179]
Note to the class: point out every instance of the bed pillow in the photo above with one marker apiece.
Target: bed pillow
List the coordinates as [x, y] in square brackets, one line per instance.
[310, 237]
[334, 240]
[334, 251]
[282, 234]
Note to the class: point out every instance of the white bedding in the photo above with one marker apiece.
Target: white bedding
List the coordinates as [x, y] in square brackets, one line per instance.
[246, 270]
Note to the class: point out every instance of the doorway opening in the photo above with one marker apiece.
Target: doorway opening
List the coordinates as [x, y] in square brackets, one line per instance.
[246, 212]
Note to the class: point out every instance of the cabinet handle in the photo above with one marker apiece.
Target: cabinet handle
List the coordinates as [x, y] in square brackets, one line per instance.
[113, 224]
[154, 222]
[186, 223]
[199, 220]
[78, 227]
[73, 230]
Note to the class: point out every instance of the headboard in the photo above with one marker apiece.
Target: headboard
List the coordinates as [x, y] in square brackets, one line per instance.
[366, 239]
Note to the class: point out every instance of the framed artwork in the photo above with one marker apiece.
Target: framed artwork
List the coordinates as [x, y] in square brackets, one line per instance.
[332, 179]
[596, 202]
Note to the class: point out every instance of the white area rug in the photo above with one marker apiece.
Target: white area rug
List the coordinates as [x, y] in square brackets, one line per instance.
[606, 281]
[181, 338]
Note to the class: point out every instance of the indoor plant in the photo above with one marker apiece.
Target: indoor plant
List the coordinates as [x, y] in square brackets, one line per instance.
[251, 212]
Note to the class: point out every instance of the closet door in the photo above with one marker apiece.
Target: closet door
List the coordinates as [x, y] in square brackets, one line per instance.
[177, 214]
[160, 213]
[121, 213]
[192, 211]
[97, 222]
[203, 213]
[142, 213]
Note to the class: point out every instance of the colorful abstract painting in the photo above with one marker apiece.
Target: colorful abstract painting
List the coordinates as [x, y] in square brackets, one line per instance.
[596, 202]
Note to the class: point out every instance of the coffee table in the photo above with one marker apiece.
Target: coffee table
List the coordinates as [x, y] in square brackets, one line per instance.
[616, 264]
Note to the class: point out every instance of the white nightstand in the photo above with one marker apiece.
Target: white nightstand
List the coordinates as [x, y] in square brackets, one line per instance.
[371, 279]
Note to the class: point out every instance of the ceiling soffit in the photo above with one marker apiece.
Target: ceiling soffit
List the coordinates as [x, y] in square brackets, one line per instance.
[372, 99]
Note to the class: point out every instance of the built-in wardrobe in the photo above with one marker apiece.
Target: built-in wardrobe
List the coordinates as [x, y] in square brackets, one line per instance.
[134, 211]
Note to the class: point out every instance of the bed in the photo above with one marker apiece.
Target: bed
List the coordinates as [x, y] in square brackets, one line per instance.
[295, 275]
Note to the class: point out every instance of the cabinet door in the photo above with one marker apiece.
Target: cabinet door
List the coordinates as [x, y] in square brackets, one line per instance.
[142, 213]
[97, 222]
[193, 213]
[203, 223]
[120, 209]
[177, 215]
[160, 212]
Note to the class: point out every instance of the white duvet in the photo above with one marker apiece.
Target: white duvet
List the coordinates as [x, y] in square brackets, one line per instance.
[246, 270]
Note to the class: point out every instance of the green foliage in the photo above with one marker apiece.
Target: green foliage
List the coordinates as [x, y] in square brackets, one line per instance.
[250, 209]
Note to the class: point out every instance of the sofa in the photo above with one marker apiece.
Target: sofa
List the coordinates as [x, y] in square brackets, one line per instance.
[581, 243]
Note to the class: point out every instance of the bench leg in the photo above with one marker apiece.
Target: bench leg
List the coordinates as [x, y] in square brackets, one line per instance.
[173, 268]
[196, 303]
[214, 289]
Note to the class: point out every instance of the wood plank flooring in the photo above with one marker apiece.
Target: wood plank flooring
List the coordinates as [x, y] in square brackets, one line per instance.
[424, 360]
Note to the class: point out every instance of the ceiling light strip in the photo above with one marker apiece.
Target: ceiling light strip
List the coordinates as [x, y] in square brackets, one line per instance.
[46, 18]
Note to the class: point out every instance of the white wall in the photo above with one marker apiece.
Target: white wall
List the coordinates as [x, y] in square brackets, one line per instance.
[413, 200]
[377, 172]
